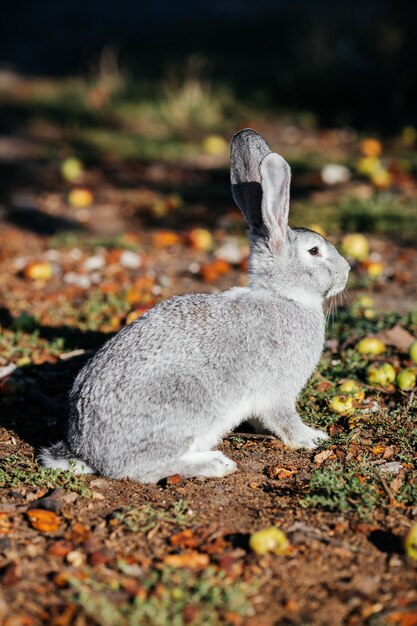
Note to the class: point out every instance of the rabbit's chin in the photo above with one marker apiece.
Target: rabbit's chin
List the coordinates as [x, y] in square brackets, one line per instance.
[335, 291]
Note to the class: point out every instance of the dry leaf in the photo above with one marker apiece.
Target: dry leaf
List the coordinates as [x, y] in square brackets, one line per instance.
[60, 548]
[5, 523]
[192, 560]
[397, 337]
[210, 272]
[44, 521]
[402, 618]
[166, 239]
[276, 471]
[11, 574]
[184, 539]
[323, 456]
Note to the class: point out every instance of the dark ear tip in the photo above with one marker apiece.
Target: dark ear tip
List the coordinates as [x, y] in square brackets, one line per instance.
[243, 135]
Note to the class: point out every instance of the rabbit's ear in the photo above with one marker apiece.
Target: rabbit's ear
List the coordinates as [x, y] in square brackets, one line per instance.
[275, 179]
[247, 150]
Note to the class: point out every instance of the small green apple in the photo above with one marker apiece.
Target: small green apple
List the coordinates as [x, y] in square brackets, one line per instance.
[370, 345]
[406, 379]
[382, 374]
[413, 352]
[269, 540]
[356, 246]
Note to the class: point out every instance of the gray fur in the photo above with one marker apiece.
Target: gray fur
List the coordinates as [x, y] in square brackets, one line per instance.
[157, 397]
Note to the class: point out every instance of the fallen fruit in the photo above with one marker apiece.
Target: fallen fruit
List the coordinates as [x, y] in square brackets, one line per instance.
[410, 543]
[368, 165]
[364, 301]
[413, 352]
[381, 374]
[80, 198]
[353, 388]
[39, 270]
[370, 345]
[371, 147]
[72, 170]
[200, 239]
[355, 246]
[406, 379]
[375, 269]
[269, 540]
[341, 404]
[381, 178]
[215, 145]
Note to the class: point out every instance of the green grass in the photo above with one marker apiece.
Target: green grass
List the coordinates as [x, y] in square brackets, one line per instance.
[18, 344]
[17, 470]
[172, 598]
[146, 516]
[355, 487]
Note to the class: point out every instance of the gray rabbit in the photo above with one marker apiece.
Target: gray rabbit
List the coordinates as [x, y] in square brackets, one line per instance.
[160, 395]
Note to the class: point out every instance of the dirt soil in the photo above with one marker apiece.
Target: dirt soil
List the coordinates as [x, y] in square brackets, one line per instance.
[340, 568]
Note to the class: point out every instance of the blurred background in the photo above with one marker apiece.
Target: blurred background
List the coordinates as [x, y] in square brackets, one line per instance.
[115, 123]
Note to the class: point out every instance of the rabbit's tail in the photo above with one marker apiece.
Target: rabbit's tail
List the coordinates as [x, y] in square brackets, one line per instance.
[58, 456]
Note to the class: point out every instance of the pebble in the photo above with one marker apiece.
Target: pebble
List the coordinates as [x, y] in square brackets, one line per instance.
[131, 260]
[93, 263]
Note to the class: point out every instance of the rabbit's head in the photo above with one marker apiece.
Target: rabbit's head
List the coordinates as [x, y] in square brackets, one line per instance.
[295, 262]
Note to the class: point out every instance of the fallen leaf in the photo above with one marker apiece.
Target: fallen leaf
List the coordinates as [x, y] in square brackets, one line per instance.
[11, 574]
[44, 521]
[210, 272]
[402, 618]
[190, 613]
[102, 556]
[66, 618]
[276, 471]
[5, 523]
[165, 239]
[192, 560]
[175, 479]
[79, 532]
[323, 456]
[184, 539]
[60, 548]
[397, 337]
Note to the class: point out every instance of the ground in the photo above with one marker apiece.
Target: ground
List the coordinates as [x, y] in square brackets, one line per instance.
[73, 270]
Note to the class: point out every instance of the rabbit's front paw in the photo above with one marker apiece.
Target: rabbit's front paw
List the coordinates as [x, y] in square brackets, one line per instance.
[306, 437]
[211, 464]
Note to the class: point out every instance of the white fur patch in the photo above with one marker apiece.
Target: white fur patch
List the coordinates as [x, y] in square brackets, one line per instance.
[73, 465]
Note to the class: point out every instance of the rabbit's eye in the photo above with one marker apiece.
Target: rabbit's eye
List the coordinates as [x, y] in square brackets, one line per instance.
[314, 251]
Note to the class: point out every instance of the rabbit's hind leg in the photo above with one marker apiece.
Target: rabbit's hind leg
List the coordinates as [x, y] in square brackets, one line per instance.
[210, 464]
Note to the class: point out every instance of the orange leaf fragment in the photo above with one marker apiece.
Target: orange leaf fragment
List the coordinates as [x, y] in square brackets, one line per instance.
[5, 523]
[210, 272]
[402, 618]
[44, 521]
[60, 548]
[166, 239]
[184, 539]
[276, 471]
[191, 560]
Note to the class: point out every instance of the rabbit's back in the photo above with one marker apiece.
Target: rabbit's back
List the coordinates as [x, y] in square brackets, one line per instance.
[194, 349]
